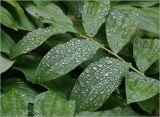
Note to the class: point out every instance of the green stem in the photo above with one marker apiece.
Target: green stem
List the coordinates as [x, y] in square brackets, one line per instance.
[109, 51]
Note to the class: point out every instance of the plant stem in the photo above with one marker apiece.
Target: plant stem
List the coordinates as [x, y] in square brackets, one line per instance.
[111, 52]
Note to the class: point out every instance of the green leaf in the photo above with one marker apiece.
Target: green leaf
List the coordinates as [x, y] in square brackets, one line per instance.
[21, 19]
[34, 39]
[53, 104]
[65, 57]
[52, 14]
[150, 104]
[120, 26]
[147, 22]
[145, 52]
[7, 19]
[28, 65]
[154, 69]
[5, 64]
[13, 103]
[6, 42]
[108, 113]
[22, 86]
[97, 82]
[139, 88]
[93, 15]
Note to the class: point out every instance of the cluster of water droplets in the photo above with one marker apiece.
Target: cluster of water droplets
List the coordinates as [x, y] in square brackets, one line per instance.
[97, 83]
[65, 57]
[120, 25]
[94, 15]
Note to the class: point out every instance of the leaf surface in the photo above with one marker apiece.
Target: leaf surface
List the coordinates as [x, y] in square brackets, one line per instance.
[112, 112]
[34, 39]
[146, 52]
[139, 88]
[13, 103]
[120, 26]
[7, 19]
[97, 82]
[5, 64]
[53, 104]
[93, 15]
[65, 57]
[6, 42]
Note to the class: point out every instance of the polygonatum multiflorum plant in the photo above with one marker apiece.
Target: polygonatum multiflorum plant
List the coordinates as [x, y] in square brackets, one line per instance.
[79, 58]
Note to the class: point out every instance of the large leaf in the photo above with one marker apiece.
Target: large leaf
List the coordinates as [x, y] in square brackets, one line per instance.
[97, 82]
[120, 26]
[22, 86]
[34, 39]
[53, 104]
[5, 64]
[13, 103]
[50, 13]
[6, 42]
[7, 19]
[146, 52]
[65, 57]
[139, 88]
[109, 113]
[21, 19]
[93, 15]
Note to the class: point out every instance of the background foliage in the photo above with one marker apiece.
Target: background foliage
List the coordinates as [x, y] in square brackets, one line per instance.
[79, 58]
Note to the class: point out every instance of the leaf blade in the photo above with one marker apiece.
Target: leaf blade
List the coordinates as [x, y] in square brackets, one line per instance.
[89, 91]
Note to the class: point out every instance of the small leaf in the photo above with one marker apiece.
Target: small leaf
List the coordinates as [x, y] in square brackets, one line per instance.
[108, 113]
[97, 82]
[52, 14]
[7, 19]
[34, 39]
[13, 103]
[22, 86]
[5, 64]
[139, 88]
[120, 26]
[6, 42]
[93, 15]
[65, 57]
[21, 19]
[145, 52]
[53, 104]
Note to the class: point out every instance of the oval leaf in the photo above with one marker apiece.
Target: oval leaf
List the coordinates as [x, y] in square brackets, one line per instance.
[140, 88]
[53, 104]
[93, 15]
[120, 26]
[145, 52]
[97, 82]
[13, 103]
[5, 64]
[34, 39]
[65, 57]
[7, 19]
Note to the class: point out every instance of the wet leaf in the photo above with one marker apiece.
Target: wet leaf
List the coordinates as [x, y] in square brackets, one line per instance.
[65, 57]
[13, 103]
[120, 26]
[5, 64]
[34, 39]
[113, 112]
[97, 82]
[6, 42]
[93, 15]
[139, 88]
[145, 52]
[7, 19]
[53, 104]
[51, 14]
